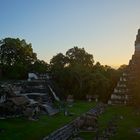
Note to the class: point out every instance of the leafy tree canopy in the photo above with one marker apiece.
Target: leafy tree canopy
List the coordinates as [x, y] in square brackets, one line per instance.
[79, 56]
[14, 51]
[16, 56]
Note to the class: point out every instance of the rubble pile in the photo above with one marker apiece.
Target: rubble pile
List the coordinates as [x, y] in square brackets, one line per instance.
[89, 121]
[26, 98]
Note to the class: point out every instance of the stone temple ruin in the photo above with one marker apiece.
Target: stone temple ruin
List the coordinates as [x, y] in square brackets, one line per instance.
[28, 98]
[122, 93]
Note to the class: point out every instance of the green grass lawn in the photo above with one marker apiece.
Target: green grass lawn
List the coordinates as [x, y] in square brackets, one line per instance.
[22, 129]
[126, 125]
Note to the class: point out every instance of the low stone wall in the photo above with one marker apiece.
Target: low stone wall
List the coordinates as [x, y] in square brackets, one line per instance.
[63, 133]
[70, 130]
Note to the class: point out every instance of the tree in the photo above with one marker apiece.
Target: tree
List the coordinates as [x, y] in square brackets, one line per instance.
[76, 74]
[15, 57]
[70, 70]
[79, 56]
[13, 51]
[39, 66]
[58, 62]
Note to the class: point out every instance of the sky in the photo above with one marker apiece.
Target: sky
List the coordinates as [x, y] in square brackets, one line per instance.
[105, 28]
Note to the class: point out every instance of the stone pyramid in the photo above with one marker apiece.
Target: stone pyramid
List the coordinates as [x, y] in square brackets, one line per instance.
[123, 92]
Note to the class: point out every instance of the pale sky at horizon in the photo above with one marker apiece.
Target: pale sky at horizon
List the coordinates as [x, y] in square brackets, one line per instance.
[105, 28]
